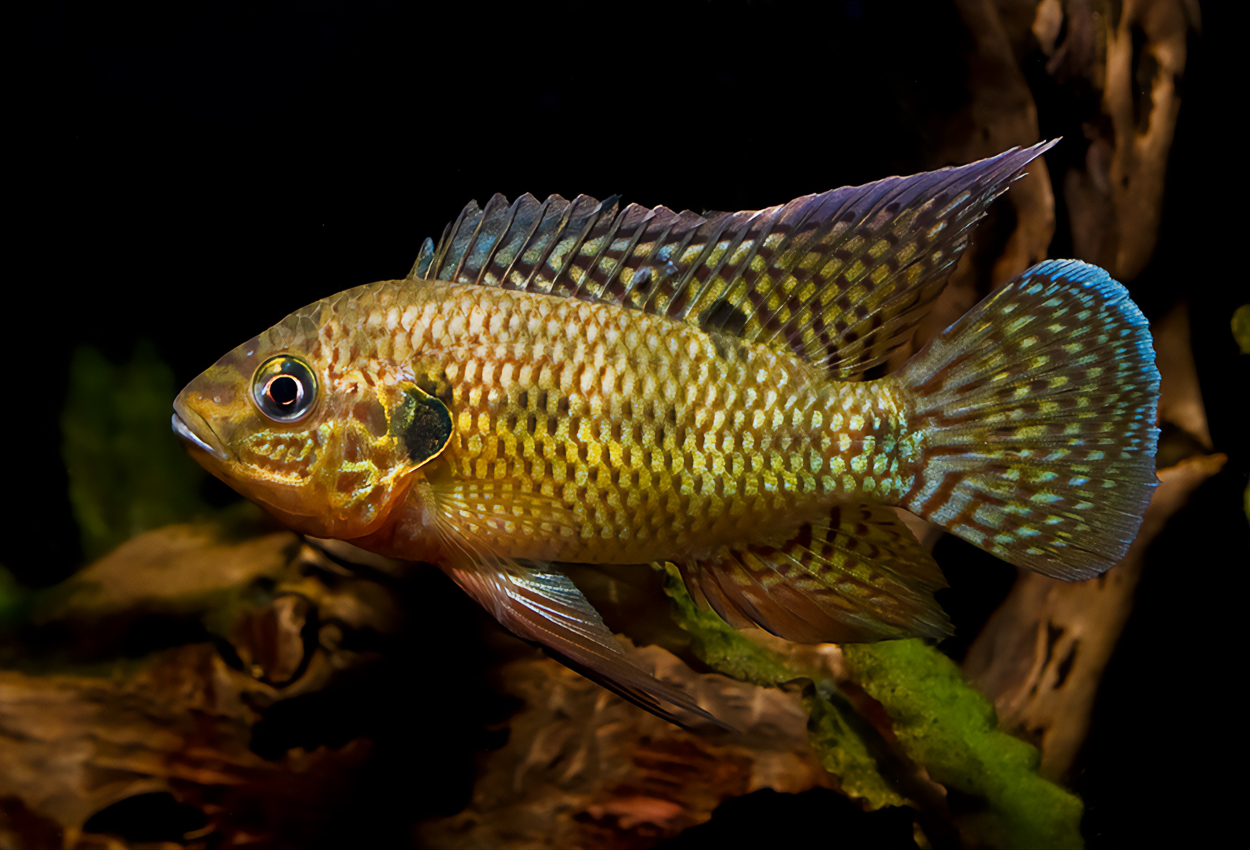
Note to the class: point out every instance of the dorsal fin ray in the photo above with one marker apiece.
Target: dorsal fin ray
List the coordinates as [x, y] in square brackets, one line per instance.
[839, 278]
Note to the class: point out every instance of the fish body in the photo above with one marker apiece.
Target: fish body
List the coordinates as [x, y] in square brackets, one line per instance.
[562, 383]
[624, 438]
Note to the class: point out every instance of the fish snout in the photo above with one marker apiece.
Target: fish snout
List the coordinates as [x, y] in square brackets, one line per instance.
[195, 431]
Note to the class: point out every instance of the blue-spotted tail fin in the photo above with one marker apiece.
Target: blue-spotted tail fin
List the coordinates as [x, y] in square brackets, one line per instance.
[1034, 422]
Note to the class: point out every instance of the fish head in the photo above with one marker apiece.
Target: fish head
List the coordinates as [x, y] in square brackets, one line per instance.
[308, 421]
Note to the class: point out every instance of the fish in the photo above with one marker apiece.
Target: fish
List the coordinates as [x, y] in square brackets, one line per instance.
[568, 382]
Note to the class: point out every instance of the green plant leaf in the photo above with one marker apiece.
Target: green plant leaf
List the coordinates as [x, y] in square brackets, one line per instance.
[15, 600]
[1241, 328]
[127, 471]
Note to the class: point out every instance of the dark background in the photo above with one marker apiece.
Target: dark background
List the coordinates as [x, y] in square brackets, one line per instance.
[189, 173]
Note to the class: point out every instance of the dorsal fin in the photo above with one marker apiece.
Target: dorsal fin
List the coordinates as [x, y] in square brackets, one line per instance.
[840, 278]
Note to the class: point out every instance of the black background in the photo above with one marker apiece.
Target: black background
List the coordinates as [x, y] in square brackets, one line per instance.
[191, 172]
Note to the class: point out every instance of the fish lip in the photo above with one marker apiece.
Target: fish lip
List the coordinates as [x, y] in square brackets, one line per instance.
[182, 429]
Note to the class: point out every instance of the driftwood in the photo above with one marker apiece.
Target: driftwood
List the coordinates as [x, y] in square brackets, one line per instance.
[1042, 654]
[1027, 657]
[583, 768]
[1135, 59]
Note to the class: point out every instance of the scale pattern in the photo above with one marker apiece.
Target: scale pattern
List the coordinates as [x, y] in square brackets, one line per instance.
[653, 439]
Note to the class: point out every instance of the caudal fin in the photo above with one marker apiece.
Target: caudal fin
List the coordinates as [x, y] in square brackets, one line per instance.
[1034, 417]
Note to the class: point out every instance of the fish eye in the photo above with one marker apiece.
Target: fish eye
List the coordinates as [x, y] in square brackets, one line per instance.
[284, 388]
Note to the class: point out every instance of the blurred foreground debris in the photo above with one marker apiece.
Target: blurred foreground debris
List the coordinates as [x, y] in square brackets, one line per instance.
[90, 728]
[583, 768]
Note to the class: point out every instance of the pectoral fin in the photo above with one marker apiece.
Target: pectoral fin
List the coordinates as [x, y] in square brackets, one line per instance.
[857, 576]
[542, 605]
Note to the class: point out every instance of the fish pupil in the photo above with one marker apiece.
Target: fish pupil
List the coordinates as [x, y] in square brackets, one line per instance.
[284, 391]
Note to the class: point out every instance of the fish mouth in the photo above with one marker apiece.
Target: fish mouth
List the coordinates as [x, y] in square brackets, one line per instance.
[205, 440]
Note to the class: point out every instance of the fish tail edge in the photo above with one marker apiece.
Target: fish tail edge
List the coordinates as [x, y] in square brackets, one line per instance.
[1032, 421]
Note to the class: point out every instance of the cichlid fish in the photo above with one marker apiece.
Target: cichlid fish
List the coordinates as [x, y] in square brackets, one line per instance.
[563, 382]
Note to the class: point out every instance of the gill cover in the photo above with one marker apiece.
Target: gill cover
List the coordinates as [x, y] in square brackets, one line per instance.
[371, 447]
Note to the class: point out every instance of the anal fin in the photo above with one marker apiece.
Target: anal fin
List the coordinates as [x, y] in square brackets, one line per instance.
[859, 575]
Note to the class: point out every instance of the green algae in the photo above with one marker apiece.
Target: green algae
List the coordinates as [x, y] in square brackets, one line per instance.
[947, 726]
[940, 722]
[719, 644]
[835, 731]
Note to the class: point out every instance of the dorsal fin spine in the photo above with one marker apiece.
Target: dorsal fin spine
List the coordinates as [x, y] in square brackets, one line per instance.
[614, 274]
[709, 280]
[517, 205]
[484, 270]
[587, 285]
[561, 237]
[627, 286]
[823, 295]
[660, 274]
[607, 216]
[646, 275]
[536, 276]
[527, 285]
[526, 244]
[570, 256]
[447, 243]
[467, 251]
[712, 271]
[764, 315]
[420, 269]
